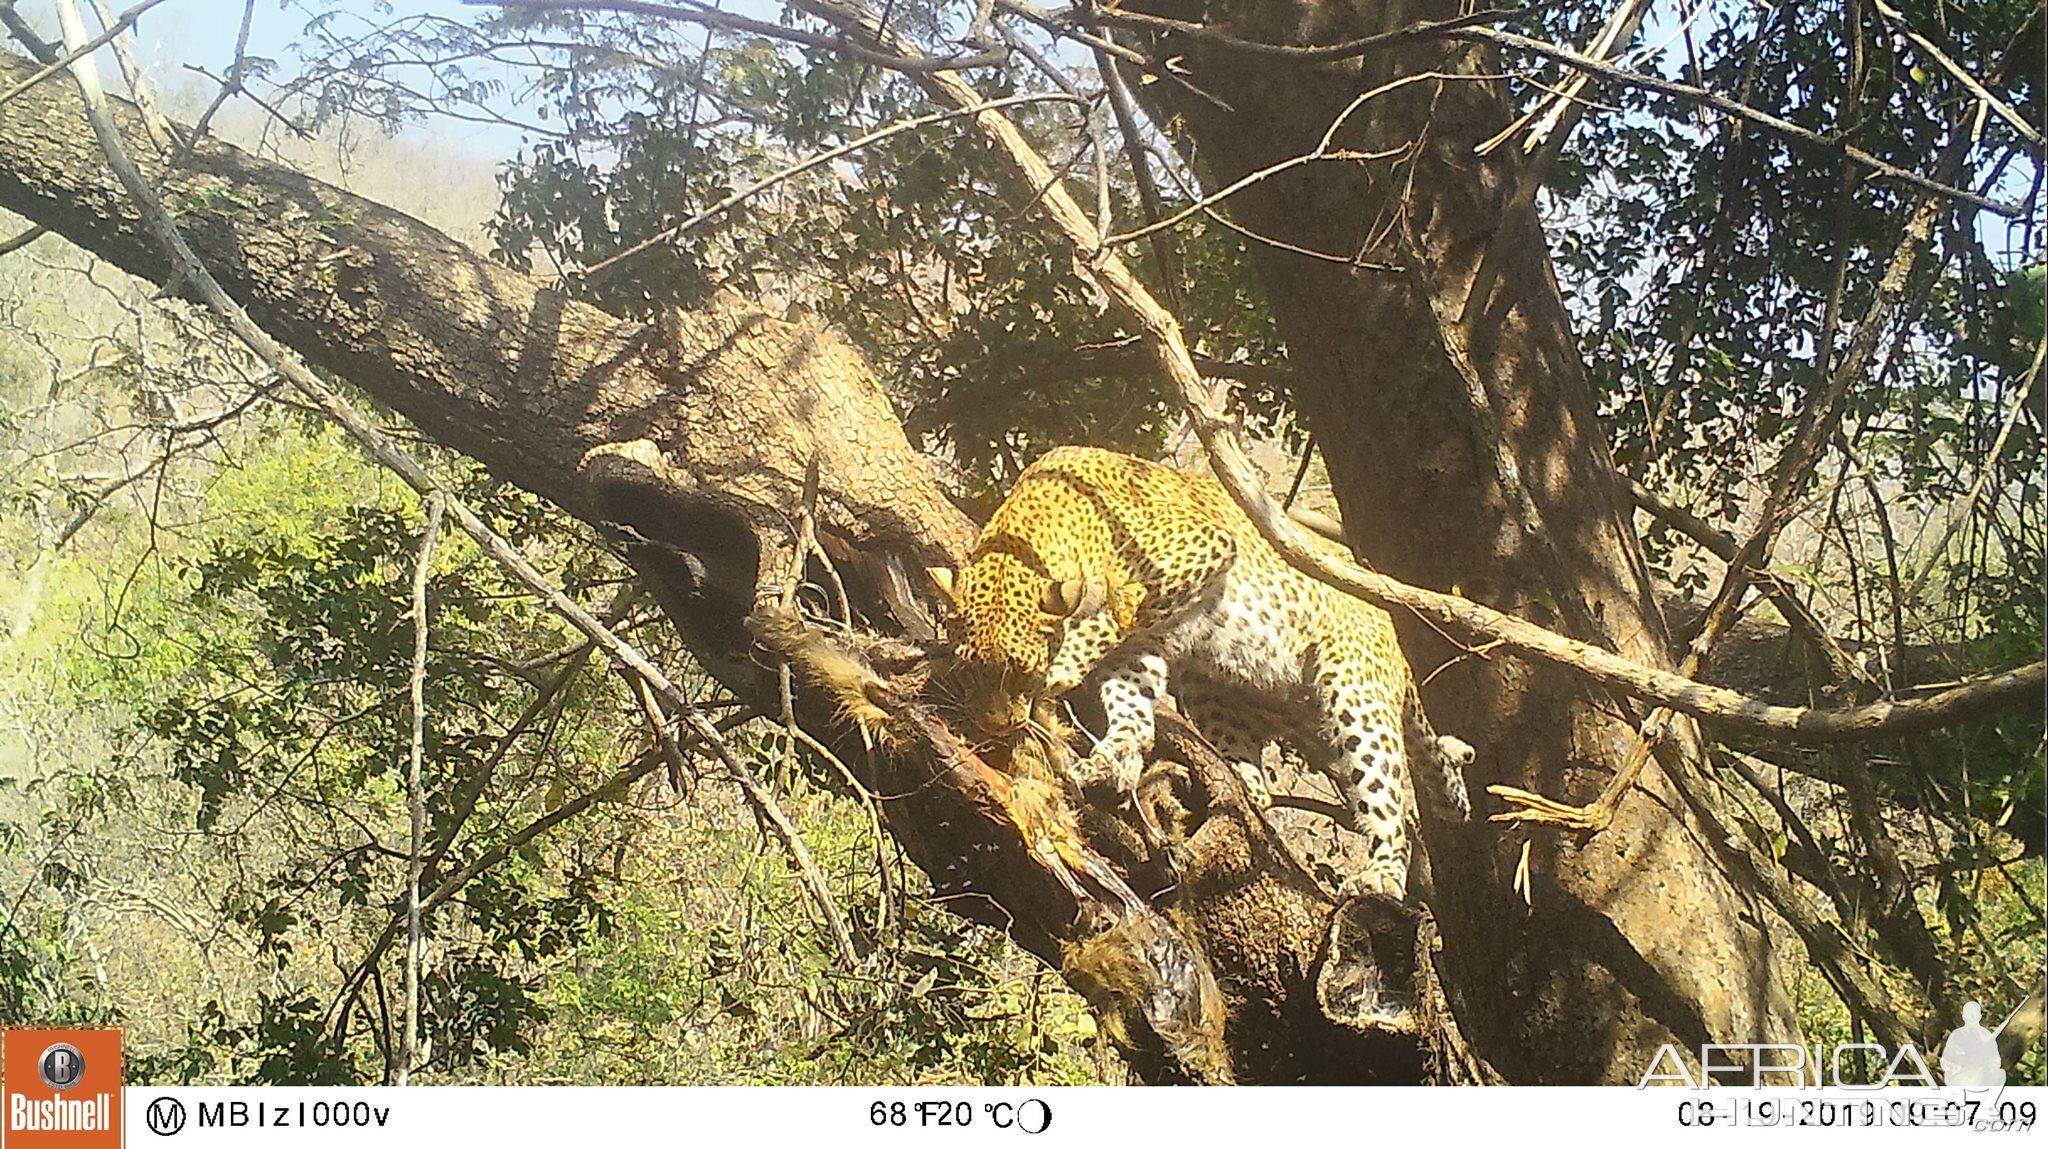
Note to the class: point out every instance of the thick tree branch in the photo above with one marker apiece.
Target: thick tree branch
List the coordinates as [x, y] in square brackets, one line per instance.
[693, 437]
[1479, 32]
[472, 352]
[1466, 620]
[386, 452]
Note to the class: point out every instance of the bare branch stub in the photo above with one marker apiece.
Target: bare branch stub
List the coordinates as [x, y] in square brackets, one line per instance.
[1296, 1006]
[714, 566]
[1479, 29]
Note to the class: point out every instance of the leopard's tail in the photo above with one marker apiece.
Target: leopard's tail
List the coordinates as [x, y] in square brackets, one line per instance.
[1437, 762]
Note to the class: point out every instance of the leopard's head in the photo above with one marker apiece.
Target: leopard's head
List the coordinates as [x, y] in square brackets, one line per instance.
[1021, 636]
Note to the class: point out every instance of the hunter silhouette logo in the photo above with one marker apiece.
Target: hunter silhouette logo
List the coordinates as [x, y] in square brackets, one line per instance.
[60, 1088]
[1969, 1057]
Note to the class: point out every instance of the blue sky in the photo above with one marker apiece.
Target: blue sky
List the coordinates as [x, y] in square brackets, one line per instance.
[202, 33]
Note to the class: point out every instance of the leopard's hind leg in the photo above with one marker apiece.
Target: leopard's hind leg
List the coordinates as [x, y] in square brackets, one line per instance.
[1358, 742]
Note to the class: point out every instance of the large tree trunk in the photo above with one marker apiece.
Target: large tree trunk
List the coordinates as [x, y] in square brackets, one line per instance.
[693, 441]
[1639, 936]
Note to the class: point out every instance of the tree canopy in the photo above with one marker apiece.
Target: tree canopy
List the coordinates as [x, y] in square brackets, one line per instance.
[1704, 338]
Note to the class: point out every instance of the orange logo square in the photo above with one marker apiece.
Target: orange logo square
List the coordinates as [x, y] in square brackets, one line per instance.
[60, 1088]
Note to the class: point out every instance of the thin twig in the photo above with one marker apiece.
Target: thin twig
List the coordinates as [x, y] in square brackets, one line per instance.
[731, 22]
[658, 722]
[803, 545]
[1842, 966]
[1066, 29]
[1984, 470]
[2027, 131]
[1724, 546]
[1722, 103]
[380, 447]
[237, 72]
[796, 169]
[1481, 32]
[121, 24]
[1355, 260]
[1208, 415]
[1325, 150]
[414, 791]
[16, 243]
[465, 804]
[285, 121]
[1301, 53]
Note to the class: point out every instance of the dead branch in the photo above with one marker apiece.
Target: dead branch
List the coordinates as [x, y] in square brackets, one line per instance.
[387, 453]
[415, 794]
[140, 90]
[1480, 32]
[122, 23]
[1470, 621]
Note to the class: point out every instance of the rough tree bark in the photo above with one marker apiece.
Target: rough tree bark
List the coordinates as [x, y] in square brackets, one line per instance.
[1491, 475]
[694, 441]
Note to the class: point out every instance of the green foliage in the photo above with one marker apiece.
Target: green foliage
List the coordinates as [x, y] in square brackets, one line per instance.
[251, 678]
[202, 770]
[711, 978]
[40, 983]
[911, 247]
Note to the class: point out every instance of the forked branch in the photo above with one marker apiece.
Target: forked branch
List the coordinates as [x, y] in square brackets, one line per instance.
[388, 453]
[1466, 620]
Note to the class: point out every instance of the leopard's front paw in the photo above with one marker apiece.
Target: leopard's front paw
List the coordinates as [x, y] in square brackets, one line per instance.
[1107, 771]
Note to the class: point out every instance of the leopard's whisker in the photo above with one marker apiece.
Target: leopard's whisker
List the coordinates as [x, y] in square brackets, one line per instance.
[1152, 583]
[1036, 729]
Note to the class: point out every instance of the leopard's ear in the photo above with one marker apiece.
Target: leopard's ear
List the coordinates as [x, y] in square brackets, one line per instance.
[942, 578]
[1063, 597]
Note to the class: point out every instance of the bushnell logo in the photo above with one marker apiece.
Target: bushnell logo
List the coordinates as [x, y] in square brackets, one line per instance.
[61, 1066]
[60, 1088]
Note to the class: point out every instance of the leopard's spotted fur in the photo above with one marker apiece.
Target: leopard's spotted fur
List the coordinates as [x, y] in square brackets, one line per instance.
[1144, 577]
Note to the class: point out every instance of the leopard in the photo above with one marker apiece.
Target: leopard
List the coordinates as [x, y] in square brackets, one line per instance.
[1152, 584]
